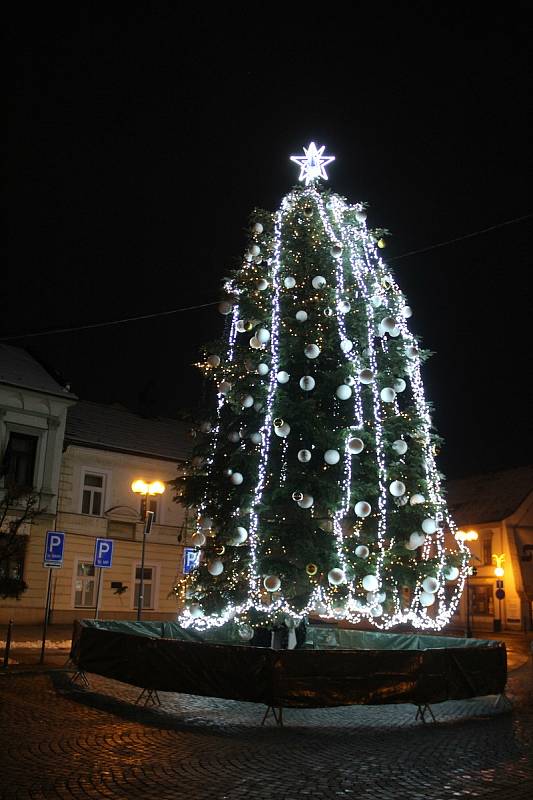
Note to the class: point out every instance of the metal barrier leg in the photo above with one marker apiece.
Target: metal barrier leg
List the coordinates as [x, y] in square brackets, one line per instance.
[150, 697]
[8, 643]
[278, 715]
[81, 677]
[422, 710]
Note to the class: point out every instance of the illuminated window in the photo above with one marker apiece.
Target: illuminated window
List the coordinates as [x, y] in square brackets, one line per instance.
[84, 585]
[482, 600]
[486, 553]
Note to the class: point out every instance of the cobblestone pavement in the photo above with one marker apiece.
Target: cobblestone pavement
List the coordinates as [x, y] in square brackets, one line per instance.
[60, 742]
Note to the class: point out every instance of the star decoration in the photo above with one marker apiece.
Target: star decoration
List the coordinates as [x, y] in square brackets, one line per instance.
[312, 164]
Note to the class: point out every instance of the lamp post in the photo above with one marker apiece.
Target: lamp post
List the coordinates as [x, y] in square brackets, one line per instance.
[467, 536]
[499, 572]
[146, 490]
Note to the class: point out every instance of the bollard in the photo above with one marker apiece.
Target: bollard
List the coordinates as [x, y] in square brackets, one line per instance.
[8, 643]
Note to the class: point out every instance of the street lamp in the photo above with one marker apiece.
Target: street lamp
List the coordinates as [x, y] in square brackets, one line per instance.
[467, 536]
[146, 490]
[499, 571]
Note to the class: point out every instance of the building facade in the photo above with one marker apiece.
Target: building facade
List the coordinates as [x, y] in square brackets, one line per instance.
[80, 459]
[498, 506]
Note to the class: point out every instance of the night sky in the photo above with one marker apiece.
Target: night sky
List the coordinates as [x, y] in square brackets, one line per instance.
[141, 138]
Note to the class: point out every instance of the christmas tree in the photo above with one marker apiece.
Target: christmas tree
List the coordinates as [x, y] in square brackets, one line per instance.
[314, 479]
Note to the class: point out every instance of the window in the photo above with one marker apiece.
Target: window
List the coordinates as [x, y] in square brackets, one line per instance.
[486, 553]
[84, 585]
[19, 460]
[93, 494]
[148, 587]
[482, 600]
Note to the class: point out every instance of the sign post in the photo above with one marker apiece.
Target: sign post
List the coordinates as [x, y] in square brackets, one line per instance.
[54, 546]
[103, 559]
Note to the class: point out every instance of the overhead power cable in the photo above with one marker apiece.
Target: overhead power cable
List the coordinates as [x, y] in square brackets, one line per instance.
[110, 323]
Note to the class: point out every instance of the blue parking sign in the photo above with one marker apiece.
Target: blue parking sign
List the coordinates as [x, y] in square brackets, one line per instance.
[191, 559]
[54, 544]
[103, 553]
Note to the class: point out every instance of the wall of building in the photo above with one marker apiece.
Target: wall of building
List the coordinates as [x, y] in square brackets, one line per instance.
[119, 520]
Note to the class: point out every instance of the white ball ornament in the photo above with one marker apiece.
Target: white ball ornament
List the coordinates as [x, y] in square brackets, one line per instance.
[375, 301]
[362, 551]
[213, 361]
[255, 250]
[255, 344]
[388, 324]
[256, 438]
[399, 385]
[198, 539]
[224, 387]
[304, 456]
[411, 351]
[451, 574]
[366, 376]
[318, 282]
[349, 380]
[417, 499]
[258, 228]
[407, 312]
[312, 351]
[247, 401]
[429, 525]
[332, 457]
[346, 345]
[344, 306]
[394, 332]
[387, 395]
[417, 540]
[283, 377]
[195, 611]
[360, 216]
[263, 335]
[376, 610]
[241, 534]
[248, 257]
[409, 546]
[301, 316]
[430, 584]
[263, 369]
[370, 583]
[225, 308]
[236, 478]
[400, 447]
[234, 436]
[336, 576]
[262, 284]
[362, 508]
[290, 282]
[343, 392]
[355, 445]
[205, 427]
[328, 312]
[272, 583]
[307, 383]
[282, 430]
[215, 567]
[258, 406]
[401, 501]
[397, 488]
[426, 599]
[306, 501]
[241, 325]
[336, 250]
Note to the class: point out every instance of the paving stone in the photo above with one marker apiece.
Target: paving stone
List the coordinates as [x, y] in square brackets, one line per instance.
[59, 742]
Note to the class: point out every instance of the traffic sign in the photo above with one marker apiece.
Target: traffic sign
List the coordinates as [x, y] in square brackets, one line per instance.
[103, 553]
[191, 558]
[500, 594]
[54, 545]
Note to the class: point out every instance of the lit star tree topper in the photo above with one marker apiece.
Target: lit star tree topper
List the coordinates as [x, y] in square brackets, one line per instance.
[312, 164]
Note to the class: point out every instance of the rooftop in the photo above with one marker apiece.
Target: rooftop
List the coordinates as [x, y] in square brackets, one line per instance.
[489, 497]
[19, 368]
[115, 428]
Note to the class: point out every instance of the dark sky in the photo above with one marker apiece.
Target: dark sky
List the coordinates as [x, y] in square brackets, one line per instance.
[141, 138]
